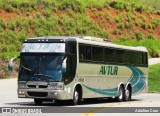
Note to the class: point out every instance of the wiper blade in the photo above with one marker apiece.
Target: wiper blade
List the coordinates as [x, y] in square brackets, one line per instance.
[26, 68]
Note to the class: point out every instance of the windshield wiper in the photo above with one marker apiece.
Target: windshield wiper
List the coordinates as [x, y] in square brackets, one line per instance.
[26, 68]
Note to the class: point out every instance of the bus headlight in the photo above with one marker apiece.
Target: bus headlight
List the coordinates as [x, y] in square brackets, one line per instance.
[57, 86]
[22, 85]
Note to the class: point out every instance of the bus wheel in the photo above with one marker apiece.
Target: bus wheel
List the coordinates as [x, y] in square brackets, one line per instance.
[120, 96]
[127, 94]
[76, 97]
[38, 101]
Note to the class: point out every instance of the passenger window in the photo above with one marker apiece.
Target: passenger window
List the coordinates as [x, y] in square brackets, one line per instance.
[109, 55]
[145, 57]
[84, 52]
[120, 54]
[97, 53]
[129, 57]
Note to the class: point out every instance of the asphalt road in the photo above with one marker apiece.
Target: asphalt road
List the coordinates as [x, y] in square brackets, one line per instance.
[8, 98]
[153, 61]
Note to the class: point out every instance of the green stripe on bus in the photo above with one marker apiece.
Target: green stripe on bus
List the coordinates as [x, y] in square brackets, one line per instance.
[137, 81]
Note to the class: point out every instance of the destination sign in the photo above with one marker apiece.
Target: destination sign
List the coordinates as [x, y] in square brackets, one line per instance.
[44, 47]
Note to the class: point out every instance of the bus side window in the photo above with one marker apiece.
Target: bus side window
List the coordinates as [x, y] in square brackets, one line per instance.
[97, 54]
[144, 59]
[120, 54]
[81, 57]
[84, 52]
[109, 55]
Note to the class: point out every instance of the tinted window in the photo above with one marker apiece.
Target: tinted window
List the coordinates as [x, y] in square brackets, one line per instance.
[145, 59]
[137, 58]
[84, 52]
[129, 57]
[109, 55]
[112, 55]
[120, 54]
[41, 67]
[97, 53]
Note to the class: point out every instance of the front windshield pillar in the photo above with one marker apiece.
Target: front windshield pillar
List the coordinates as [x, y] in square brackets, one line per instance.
[71, 68]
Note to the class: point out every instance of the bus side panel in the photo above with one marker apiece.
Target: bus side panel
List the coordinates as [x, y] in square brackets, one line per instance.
[142, 85]
[100, 80]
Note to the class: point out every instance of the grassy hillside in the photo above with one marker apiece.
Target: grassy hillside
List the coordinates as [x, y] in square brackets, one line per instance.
[154, 78]
[126, 22]
[155, 4]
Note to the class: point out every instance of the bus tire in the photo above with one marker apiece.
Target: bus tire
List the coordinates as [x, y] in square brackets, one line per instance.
[76, 97]
[38, 101]
[121, 94]
[128, 94]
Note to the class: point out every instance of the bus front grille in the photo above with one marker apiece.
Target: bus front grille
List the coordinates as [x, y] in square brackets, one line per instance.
[37, 86]
[37, 94]
[43, 86]
[31, 86]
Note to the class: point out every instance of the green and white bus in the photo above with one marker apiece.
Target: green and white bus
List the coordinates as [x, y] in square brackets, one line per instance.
[74, 68]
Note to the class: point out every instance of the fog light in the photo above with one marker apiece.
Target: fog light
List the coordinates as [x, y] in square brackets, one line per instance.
[55, 93]
[21, 92]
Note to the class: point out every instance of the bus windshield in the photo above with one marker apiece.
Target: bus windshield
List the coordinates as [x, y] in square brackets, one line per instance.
[41, 67]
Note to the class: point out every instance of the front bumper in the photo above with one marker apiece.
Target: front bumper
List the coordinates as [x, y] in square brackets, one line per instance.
[43, 94]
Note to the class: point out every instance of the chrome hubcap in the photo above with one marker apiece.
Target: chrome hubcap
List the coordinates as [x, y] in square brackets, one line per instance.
[120, 94]
[76, 96]
[127, 94]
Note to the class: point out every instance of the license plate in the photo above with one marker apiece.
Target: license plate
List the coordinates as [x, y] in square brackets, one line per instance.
[21, 95]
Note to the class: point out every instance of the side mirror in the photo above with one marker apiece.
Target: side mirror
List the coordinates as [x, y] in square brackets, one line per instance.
[64, 65]
[10, 67]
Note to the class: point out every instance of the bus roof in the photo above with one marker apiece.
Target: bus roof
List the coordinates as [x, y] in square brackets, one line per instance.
[85, 40]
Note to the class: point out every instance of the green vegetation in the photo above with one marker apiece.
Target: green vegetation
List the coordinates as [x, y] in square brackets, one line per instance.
[68, 17]
[152, 3]
[127, 22]
[139, 35]
[153, 46]
[154, 78]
